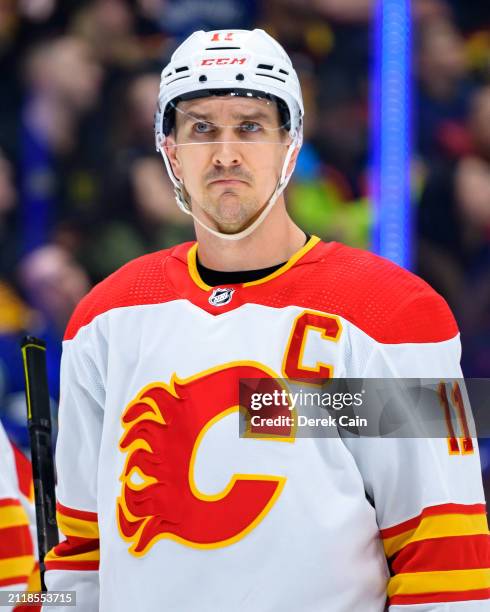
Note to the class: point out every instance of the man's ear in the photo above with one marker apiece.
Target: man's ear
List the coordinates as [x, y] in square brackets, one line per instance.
[171, 151]
[292, 161]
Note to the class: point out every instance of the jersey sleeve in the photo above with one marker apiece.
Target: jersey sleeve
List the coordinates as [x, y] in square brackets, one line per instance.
[73, 564]
[17, 561]
[26, 488]
[429, 503]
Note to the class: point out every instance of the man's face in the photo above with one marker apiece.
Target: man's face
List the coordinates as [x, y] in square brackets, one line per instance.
[228, 151]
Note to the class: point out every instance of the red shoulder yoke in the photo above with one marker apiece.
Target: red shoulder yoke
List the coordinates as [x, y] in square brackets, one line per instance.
[140, 281]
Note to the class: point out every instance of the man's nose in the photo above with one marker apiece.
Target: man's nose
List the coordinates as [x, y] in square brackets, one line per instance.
[227, 152]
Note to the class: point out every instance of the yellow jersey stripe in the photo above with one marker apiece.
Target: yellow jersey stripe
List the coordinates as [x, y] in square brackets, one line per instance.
[16, 566]
[78, 528]
[434, 582]
[13, 516]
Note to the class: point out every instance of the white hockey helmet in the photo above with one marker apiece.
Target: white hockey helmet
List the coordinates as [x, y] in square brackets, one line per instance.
[238, 62]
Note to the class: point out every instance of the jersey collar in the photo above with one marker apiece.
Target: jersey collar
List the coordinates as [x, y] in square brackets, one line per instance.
[195, 276]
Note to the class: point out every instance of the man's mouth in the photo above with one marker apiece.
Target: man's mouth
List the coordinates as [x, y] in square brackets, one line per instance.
[228, 182]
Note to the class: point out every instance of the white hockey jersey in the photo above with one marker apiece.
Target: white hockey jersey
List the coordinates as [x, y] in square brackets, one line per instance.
[165, 507]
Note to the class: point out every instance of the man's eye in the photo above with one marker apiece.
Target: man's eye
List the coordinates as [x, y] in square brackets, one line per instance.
[250, 126]
[202, 127]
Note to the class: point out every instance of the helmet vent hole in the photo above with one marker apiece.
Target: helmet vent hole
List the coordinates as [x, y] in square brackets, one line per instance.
[283, 71]
[203, 78]
[240, 77]
[185, 76]
[270, 76]
[220, 48]
[182, 69]
[264, 67]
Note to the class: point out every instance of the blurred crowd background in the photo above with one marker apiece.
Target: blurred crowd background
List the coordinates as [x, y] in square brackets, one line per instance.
[82, 190]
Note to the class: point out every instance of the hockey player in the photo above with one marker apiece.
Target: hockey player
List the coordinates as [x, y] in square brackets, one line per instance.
[18, 567]
[163, 505]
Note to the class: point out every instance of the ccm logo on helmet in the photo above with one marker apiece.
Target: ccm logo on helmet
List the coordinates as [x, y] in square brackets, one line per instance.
[222, 61]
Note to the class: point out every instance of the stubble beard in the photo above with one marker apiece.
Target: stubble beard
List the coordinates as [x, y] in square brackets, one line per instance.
[230, 212]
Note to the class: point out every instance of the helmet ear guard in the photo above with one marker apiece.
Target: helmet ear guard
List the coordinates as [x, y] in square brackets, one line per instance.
[237, 62]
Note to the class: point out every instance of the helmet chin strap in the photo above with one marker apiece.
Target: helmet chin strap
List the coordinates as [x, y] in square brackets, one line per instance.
[280, 186]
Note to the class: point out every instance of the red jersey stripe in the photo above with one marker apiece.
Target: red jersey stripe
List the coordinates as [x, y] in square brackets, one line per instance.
[442, 554]
[9, 501]
[24, 472]
[84, 515]
[75, 546]
[15, 542]
[13, 580]
[72, 565]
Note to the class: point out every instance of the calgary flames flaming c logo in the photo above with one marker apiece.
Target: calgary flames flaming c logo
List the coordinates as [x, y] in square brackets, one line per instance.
[163, 427]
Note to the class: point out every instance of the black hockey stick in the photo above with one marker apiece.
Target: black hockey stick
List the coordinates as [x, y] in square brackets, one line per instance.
[39, 423]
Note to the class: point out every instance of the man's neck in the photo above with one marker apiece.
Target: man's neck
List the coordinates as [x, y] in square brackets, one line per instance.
[272, 243]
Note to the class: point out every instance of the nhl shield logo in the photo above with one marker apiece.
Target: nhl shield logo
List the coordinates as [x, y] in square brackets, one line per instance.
[221, 297]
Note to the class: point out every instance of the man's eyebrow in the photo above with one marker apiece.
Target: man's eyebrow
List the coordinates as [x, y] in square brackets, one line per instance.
[239, 116]
[252, 115]
[191, 116]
